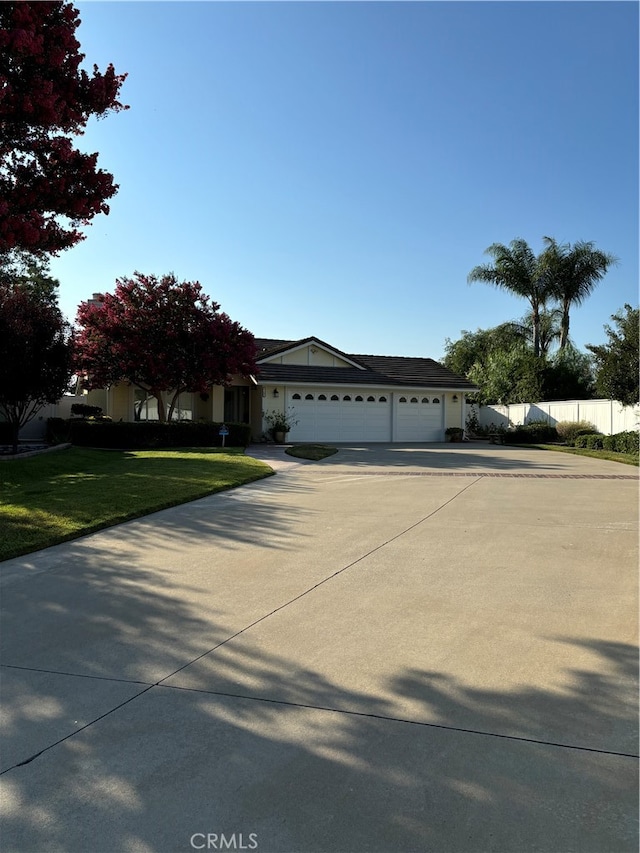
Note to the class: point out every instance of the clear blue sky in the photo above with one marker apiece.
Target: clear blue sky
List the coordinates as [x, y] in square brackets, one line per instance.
[336, 169]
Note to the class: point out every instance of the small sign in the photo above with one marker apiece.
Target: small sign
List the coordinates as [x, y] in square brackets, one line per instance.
[224, 430]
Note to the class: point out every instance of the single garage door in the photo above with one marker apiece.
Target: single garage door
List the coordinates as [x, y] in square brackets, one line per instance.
[340, 415]
[418, 418]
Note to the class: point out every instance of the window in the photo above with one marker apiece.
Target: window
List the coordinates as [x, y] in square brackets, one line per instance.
[358, 399]
[425, 399]
[335, 397]
[322, 397]
[382, 400]
[308, 396]
[402, 400]
[414, 399]
[347, 397]
[296, 397]
[371, 399]
[435, 400]
[236, 404]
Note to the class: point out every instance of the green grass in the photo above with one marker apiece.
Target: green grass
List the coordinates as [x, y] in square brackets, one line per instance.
[58, 496]
[311, 451]
[608, 455]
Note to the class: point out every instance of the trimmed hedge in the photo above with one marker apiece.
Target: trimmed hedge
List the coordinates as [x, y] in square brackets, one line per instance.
[621, 442]
[144, 434]
[535, 432]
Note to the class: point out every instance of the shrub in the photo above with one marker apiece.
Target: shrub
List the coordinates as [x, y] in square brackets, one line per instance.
[534, 432]
[85, 411]
[594, 441]
[568, 430]
[627, 442]
[609, 442]
[145, 434]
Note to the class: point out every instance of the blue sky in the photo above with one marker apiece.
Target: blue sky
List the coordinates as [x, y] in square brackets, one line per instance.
[336, 169]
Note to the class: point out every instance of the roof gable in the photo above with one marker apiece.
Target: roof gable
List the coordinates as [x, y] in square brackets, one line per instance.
[289, 349]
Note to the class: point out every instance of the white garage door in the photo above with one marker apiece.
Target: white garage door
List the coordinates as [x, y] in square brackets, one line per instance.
[340, 415]
[418, 418]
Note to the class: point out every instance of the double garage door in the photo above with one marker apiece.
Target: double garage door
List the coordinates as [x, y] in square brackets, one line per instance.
[356, 415]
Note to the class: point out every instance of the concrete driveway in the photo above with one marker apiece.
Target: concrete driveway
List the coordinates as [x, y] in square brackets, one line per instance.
[430, 648]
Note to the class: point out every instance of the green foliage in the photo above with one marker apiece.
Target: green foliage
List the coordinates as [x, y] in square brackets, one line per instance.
[627, 442]
[280, 421]
[534, 432]
[144, 434]
[591, 441]
[568, 430]
[514, 375]
[85, 411]
[618, 362]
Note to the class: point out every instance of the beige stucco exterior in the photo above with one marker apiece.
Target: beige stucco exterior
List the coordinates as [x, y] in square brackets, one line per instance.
[311, 354]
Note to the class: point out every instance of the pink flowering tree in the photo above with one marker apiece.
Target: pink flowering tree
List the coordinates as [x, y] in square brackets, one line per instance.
[48, 188]
[163, 336]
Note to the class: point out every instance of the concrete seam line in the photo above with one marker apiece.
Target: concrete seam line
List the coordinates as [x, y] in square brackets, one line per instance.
[75, 732]
[76, 674]
[385, 718]
[246, 628]
[320, 583]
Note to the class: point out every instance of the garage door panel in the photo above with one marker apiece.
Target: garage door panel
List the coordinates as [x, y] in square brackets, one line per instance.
[341, 420]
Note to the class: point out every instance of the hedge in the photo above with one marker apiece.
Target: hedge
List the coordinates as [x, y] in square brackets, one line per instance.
[621, 442]
[535, 432]
[144, 434]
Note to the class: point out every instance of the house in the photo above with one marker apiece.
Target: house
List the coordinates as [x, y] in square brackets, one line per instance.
[334, 396]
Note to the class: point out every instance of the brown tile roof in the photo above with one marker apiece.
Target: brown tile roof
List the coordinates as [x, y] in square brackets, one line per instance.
[414, 371]
[380, 369]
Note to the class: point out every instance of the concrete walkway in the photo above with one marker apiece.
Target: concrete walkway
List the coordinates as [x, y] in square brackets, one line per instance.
[393, 649]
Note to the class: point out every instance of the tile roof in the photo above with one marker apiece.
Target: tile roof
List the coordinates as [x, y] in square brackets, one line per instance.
[380, 369]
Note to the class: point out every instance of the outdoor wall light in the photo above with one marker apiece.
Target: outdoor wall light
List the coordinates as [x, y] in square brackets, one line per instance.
[455, 398]
[276, 393]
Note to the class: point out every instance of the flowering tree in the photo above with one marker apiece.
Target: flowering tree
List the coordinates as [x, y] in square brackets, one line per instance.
[35, 352]
[47, 187]
[162, 335]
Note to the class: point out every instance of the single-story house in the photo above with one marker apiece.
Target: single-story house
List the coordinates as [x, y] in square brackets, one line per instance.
[333, 396]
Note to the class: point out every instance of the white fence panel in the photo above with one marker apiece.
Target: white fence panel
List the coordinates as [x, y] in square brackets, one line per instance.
[608, 416]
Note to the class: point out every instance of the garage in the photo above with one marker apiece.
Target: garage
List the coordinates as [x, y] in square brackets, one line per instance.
[418, 417]
[344, 414]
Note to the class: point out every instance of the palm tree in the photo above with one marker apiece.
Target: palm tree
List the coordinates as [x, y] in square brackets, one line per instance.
[517, 269]
[549, 328]
[572, 272]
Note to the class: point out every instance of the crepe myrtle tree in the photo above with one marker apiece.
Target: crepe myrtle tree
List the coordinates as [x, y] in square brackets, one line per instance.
[163, 336]
[35, 352]
[48, 188]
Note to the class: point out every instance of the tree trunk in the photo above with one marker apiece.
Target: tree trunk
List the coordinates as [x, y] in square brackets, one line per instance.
[564, 325]
[162, 412]
[15, 432]
[535, 311]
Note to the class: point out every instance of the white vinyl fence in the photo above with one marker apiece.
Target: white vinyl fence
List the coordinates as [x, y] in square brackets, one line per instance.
[608, 416]
[36, 429]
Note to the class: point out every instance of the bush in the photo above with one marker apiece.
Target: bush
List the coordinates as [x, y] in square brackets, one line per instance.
[85, 411]
[145, 434]
[590, 441]
[569, 430]
[534, 432]
[609, 442]
[627, 442]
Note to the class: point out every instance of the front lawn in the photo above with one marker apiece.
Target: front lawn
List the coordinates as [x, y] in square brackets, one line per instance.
[609, 455]
[58, 496]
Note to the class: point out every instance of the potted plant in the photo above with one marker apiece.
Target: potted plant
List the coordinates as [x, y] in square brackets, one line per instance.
[454, 433]
[280, 423]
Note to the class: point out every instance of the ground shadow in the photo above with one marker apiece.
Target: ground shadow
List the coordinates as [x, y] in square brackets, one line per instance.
[321, 768]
